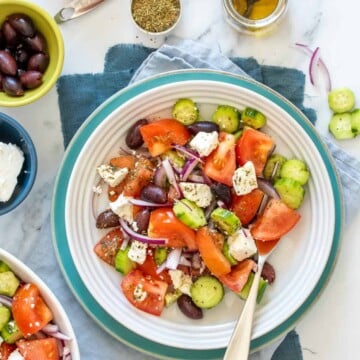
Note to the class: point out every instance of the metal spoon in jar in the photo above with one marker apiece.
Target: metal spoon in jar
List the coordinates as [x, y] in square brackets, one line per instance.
[249, 7]
[239, 345]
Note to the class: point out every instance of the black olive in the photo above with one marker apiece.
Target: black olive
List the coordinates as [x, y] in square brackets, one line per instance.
[133, 138]
[22, 24]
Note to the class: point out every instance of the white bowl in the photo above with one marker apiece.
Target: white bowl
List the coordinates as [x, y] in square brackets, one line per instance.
[60, 318]
[303, 260]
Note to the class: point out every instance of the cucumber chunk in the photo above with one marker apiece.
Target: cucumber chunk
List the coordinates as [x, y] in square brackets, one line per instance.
[295, 169]
[5, 316]
[226, 252]
[290, 191]
[341, 100]
[253, 118]
[340, 126]
[355, 121]
[185, 111]
[8, 283]
[227, 117]
[189, 213]
[207, 291]
[171, 297]
[122, 262]
[160, 255]
[11, 333]
[4, 267]
[225, 220]
[269, 168]
[246, 289]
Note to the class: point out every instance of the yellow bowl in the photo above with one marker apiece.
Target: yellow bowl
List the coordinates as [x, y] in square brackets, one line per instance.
[55, 47]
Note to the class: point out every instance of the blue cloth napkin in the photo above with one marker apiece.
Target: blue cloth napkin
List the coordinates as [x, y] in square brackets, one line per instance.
[80, 94]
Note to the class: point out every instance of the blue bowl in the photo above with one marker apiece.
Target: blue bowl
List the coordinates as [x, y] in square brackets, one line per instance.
[12, 132]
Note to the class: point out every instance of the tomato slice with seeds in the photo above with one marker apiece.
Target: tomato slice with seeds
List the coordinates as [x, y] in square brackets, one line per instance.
[276, 221]
[144, 292]
[160, 135]
[220, 165]
[39, 349]
[255, 146]
[29, 310]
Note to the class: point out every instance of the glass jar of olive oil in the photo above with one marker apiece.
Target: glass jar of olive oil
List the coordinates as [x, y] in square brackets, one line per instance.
[256, 17]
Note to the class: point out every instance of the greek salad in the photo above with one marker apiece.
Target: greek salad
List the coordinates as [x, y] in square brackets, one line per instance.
[189, 200]
[27, 329]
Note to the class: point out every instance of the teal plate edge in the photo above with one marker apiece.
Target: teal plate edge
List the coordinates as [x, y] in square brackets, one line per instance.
[90, 305]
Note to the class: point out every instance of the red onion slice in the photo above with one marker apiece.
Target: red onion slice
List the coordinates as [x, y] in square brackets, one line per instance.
[266, 186]
[171, 175]
[53, 331]
[6, 300]
[173, 258]
[188, 168]
[139, 237]
[192, 154]
[145, 203]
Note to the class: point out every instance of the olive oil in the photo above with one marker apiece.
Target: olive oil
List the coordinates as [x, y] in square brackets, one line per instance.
[256, 9]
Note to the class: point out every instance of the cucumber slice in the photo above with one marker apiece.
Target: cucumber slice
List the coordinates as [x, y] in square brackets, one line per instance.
[207, 291]
[8, 283]
[160, 255]
[340, 126]
[341, 100]
[295, 169]
[261, 289]
[355, 121]
[225, 220]
[185, 111]
[270, 166]
[5, 316]
[11, 332]
[189, 213]
[4, 267]
[227, 117]
[254, 118]
[122, 262]
[226, 252]
[290, 191]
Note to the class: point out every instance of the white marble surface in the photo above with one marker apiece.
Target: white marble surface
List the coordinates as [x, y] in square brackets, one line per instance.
[328, 330]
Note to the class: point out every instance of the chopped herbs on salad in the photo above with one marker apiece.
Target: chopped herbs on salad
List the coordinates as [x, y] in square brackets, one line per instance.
[189, 201]
[27, 330]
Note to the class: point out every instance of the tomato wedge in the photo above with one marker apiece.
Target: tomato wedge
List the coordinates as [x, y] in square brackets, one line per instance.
[220, 165]
[237, 278]
[164, 224]
[211, 253]
[144, 292]
[276, 220]
[108, 246]
[149, 267]
[255, 146]
[246, 206]
[39, 349]
[30, 312]
[160, 135]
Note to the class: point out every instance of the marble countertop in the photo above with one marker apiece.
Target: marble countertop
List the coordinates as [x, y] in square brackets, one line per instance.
[328, 331]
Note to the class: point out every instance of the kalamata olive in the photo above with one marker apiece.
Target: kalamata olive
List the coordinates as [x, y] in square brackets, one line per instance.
[160, 178]
[22, 57]
[2, 40]
[142, 219]
[10, 35]
[1, 80]
[107, 219]
[222, 192]
[31, 79]
[38, 62]
[133, 138]
[268, 273]
[205, 126]
[36, 43]
[188, 308]
[8, 64]
[12, 86]
[22, 24]
[154, 193]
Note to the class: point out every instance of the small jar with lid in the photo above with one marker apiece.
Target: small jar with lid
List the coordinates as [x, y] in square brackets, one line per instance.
[255, 17]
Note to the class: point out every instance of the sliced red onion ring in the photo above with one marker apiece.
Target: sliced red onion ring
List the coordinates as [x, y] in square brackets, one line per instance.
[6, 300]
[140, 202]
[188, 152]
[173, 259]
[53, 330]
[139, 237]
[188, 168]
[171, 175]
[266, 186]
[315, 60]
[196, 178]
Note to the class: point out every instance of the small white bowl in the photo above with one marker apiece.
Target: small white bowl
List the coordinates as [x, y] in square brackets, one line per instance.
[161, 32]
[60, 318]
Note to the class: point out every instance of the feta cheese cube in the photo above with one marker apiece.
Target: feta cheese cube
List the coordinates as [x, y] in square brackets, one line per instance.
[181, 281]
[244, 179]
[111, 174]
[138, 252]
[241, 244]
[204, 143]
[123, 207]
[200, 194]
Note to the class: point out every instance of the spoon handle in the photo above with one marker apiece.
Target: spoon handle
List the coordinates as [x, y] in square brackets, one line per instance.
[239, 345]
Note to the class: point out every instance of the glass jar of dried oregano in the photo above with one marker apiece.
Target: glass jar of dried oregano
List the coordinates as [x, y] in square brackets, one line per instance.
[156, 16]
